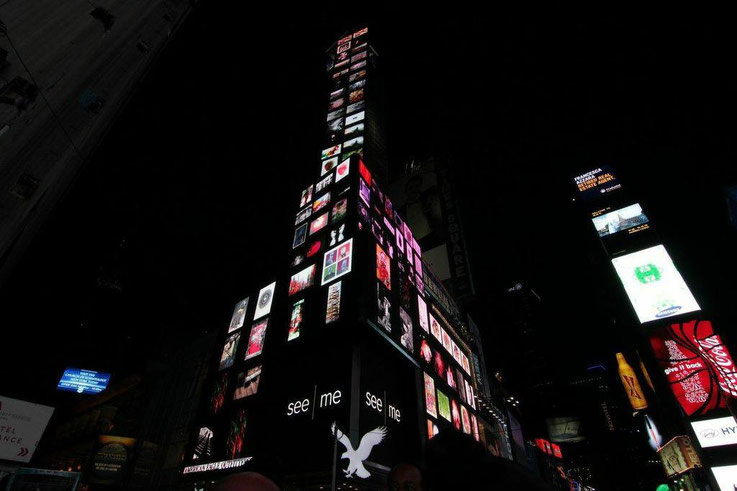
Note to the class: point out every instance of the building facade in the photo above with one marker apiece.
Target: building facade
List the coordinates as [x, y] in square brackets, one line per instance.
[347, 361]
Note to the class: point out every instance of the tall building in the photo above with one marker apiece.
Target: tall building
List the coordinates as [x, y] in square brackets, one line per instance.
[350, 358]
[66, 70]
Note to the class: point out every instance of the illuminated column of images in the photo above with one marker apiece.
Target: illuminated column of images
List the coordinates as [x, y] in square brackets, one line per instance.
[696, 364]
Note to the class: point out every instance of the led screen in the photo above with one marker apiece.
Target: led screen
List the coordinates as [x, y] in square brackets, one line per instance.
[356, 106]
[83, 381]
[338, 113]
[355, 118]
[654, 285]
[300, 236]
[596, 183]
[323, 183]
[435, 328]
[336, 125]
[247, 383]
[295, 321]
[228, 356]
[319, 223]
[333, 151]
[263, 305]
[354, 143]
[430, 396]
[337, 262]
[356, 129]
[355, 96]
[465, 420]
[328, 165]
[696, 364]
[342, 170]
[239, 315]
[726, 477]
[306, 197]
[383, 306]
[357, 85]
[302, 280]
[422, 311]
[406, 337]
[204, 447]
[337, 103]
[336, 235]
[628, 218]
[443, 405]
[303, 215]
[340, 208]
[256, 339]
[716, 432]
[365, 192]
[456, 414]
[383, 267]
[236, 435]
[219, 393]
[321, 202]
[332, 311]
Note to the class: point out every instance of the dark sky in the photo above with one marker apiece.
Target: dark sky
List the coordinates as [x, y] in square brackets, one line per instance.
[203, 169]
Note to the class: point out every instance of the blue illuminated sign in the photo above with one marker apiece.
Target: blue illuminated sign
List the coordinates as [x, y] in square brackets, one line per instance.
[83, 381]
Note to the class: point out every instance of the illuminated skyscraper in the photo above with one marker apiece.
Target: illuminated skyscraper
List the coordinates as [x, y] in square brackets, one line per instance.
[355, 355]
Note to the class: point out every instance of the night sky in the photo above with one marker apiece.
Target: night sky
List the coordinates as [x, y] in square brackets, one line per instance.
[187, 203]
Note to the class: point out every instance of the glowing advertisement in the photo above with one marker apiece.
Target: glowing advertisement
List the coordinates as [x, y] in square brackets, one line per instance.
[630, 218]
[715, 432]
[443, 406]
[342, 170]
[596, 182]
[239, 315]
[236, 435]
[726, 477]
[265, 297]
[247, 383]
[383, 267]
[697, 365]
[328, 165]
[302, 280]
[422, 311]
[340, 208]
[295, 320]
[321, 202]
[319, 223]
[83, 381]
[22, 424]
[300, 236]
[256, 339]
[430, 404]
[337, 262]
[227, 358]
[332, 311]
[654, 286]
[216, 466]
[355, 118]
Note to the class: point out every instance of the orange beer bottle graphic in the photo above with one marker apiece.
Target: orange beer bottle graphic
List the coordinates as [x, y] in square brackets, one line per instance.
[631, 384]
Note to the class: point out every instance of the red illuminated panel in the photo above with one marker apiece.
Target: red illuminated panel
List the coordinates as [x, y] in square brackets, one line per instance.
[383, 267]
[364, 172]
[696, 363]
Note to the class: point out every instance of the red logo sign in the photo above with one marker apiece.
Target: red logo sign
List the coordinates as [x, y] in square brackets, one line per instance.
[696, 363]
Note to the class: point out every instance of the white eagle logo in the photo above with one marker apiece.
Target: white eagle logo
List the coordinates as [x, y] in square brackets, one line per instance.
[356, 457]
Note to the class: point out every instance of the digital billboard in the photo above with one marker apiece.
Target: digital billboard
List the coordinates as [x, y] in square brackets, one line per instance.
[430, 404]
[256, 339]
[247, 383]
[715, 432]
[630, 218]
[443, 405]
[303, 279]
[295, 320]
[726, 477]
[83, 381]
[596, 182]
[696, 364]
[22, 423]
[332, 311]
[227, 358]
[383, 267]
[654, 286]
[337, 262]
[265, 297]
[239, 315]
